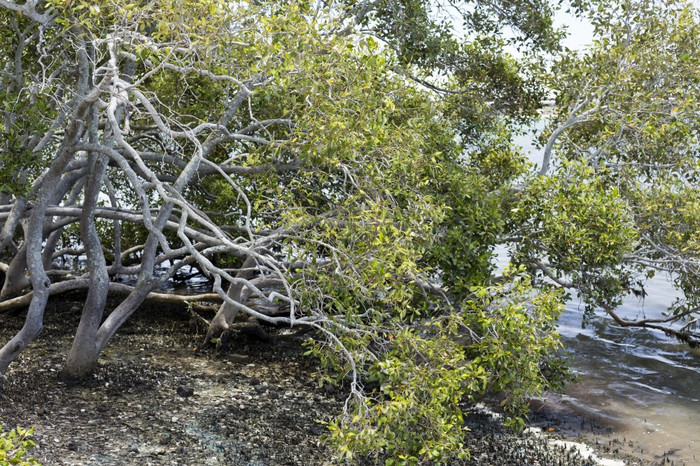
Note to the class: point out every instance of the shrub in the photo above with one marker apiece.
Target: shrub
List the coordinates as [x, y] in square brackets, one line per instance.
[14, 446]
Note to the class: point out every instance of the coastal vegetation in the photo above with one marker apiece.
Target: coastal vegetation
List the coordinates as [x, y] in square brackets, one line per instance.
[348, 167]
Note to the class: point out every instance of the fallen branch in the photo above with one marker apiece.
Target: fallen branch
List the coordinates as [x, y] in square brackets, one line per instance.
[120, 288]
[680, 335]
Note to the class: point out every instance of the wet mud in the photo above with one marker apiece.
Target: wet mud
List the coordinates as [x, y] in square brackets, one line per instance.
[157, 398]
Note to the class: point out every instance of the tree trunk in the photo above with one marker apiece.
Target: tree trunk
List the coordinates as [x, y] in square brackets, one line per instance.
[39, 280]
[83, 354]
[35, 232]
[119, 315]
[13, 220]
[227, 313]
[16, 278]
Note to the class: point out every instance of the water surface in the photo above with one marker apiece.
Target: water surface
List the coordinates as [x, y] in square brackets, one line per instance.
[643, 386]
[640, 383]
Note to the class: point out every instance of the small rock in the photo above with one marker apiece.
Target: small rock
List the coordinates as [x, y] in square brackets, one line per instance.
[133, 449]
[254, 382]
[164, 439]
[330, 389]
[72, 446]
[185, 392]
[41, 411]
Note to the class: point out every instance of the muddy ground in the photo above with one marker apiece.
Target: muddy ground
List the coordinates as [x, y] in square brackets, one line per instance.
[156, 399]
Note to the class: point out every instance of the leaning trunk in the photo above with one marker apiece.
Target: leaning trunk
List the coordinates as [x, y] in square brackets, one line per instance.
[39, 280]
[83, 355]
[16, 279]
[35, 227]
[227, 313]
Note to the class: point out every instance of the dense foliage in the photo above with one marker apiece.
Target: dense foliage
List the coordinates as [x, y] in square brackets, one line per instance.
[620, 204]
[348, 166]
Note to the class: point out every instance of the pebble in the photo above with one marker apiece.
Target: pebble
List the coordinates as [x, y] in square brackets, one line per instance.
[185, 392]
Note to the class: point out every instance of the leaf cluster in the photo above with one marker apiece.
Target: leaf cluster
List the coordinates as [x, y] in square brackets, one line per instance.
[502, 340]
[14, 447]
[636, 132]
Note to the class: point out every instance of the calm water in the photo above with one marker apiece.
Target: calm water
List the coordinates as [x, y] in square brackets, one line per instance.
[642, 384]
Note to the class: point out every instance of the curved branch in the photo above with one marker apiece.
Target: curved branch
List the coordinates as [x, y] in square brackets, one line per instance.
[551, 275]
[680, 335]
[574, 119]
[28, 9]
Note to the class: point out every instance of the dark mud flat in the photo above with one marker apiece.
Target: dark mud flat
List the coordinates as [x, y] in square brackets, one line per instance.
[154, 399]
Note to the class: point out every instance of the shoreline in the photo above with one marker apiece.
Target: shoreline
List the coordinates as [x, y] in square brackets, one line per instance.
[567, 445]
[596, 432]
[256, 404]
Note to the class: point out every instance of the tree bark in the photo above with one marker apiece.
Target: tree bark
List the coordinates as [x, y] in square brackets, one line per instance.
[227, 313]
[39, 280]
[16, 279]
[35, 225]
[12, 222]
[119, 288]
[82, 358]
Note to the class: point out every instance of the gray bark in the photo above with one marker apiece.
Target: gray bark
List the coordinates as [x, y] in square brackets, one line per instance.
[35, 225]
[83, 355]
[239, 293]
[16, 279]
[12, 222]
[39, 279]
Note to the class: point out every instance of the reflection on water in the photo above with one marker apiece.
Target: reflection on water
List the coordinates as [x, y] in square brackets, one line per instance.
[642, 384]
